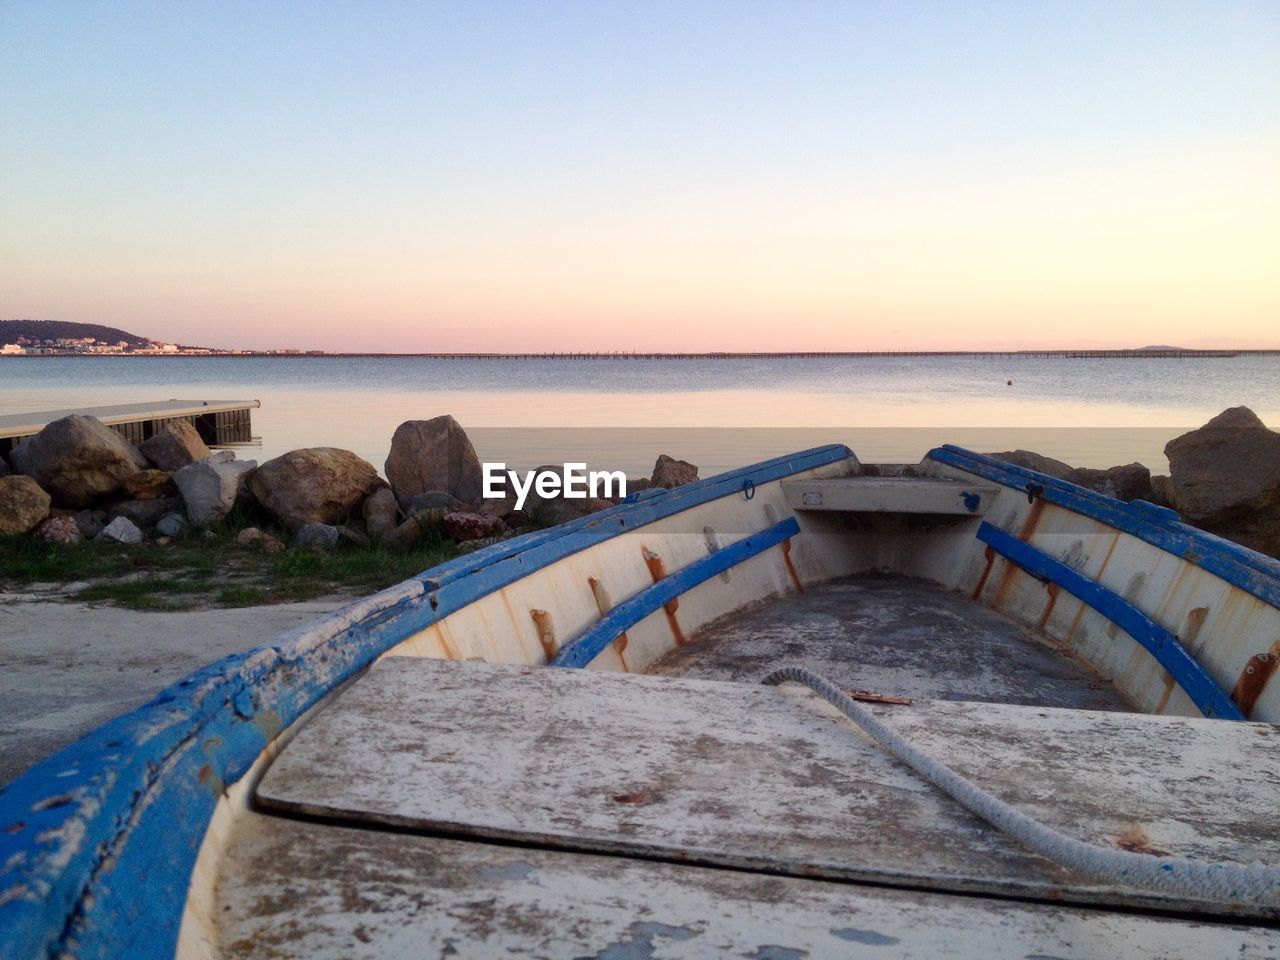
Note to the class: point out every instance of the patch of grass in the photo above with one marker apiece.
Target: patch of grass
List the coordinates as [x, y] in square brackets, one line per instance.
[210, 570]
[243, 596]
[149, 594]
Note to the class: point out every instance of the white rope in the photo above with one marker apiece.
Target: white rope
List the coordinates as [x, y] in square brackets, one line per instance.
[1253, 884]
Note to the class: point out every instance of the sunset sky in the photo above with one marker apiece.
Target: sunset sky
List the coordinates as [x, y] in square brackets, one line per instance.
[665, 176]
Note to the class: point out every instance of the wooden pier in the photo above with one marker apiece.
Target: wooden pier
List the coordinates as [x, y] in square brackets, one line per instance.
[218, 422]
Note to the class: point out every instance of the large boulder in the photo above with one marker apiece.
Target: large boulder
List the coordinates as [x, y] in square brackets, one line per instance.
[1035, 461]
[1129, 482]
[78, 460]
[1225, 478]
[314, 485]
[433, 455]
[209, 488]
[669, 473]
[176, 445]
[23, 504]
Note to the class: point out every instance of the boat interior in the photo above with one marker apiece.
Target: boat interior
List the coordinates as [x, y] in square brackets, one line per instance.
[561, 745]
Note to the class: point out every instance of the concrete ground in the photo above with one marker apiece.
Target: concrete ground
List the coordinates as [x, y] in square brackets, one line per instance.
[67, 667]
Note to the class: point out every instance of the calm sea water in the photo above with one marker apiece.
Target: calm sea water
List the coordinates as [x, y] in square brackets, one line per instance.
[717, 413]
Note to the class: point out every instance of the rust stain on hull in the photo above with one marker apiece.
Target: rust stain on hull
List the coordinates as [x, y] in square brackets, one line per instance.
[1053, 590]
[1033, 520]
[658, 571]
[546, 632]
[1011, 570]
[986, 572]
[791, 570]
[1253, 679]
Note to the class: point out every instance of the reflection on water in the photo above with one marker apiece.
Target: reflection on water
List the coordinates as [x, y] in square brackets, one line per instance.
[717, 413]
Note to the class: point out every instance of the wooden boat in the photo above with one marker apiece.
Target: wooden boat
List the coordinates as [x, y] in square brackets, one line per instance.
[1062, 742]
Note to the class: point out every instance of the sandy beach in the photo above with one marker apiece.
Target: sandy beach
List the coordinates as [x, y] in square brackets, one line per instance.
[72, 666]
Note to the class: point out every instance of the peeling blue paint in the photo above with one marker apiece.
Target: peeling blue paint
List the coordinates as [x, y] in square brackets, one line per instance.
[771, 951]
[1252, 572]
[639, 944]
[870, 938]
[515, 870]
[584, 649]
[1203, 690]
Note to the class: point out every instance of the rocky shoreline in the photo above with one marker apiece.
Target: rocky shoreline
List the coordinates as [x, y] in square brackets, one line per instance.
[78, 480]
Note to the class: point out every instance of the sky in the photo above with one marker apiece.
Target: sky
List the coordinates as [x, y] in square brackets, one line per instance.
[644, 176]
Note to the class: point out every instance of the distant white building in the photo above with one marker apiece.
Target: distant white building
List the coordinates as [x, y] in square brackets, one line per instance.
[10, 348]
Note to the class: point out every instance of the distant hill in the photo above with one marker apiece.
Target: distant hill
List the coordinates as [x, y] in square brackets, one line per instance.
[10, 330]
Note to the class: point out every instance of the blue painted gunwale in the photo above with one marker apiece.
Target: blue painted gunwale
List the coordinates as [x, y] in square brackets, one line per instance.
[586, 647]
[1239, 566]
[1203, 690]
[98, 842]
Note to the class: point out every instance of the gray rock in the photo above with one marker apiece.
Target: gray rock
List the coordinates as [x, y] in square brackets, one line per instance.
[314, 485]
[381, 513]
[175, 446]
[121, 530]
[1226, 479]
[23, 504]
[1035, 461]
[171, 525]
[433, 500]
[145, 513]
[670, 473]
[77, 460]
[433, 455]
[321, 535]
[89, 522]
[1129, 482]
[209, 488]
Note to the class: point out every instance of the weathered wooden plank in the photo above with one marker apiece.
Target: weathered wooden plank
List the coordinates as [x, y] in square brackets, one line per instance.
[923, 495]
[773, 778]
[296, 889]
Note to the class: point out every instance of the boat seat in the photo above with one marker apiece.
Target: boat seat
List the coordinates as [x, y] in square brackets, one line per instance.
[935, 496]
[773, 779]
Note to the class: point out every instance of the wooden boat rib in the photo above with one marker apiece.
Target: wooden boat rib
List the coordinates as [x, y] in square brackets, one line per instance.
[403, 777]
